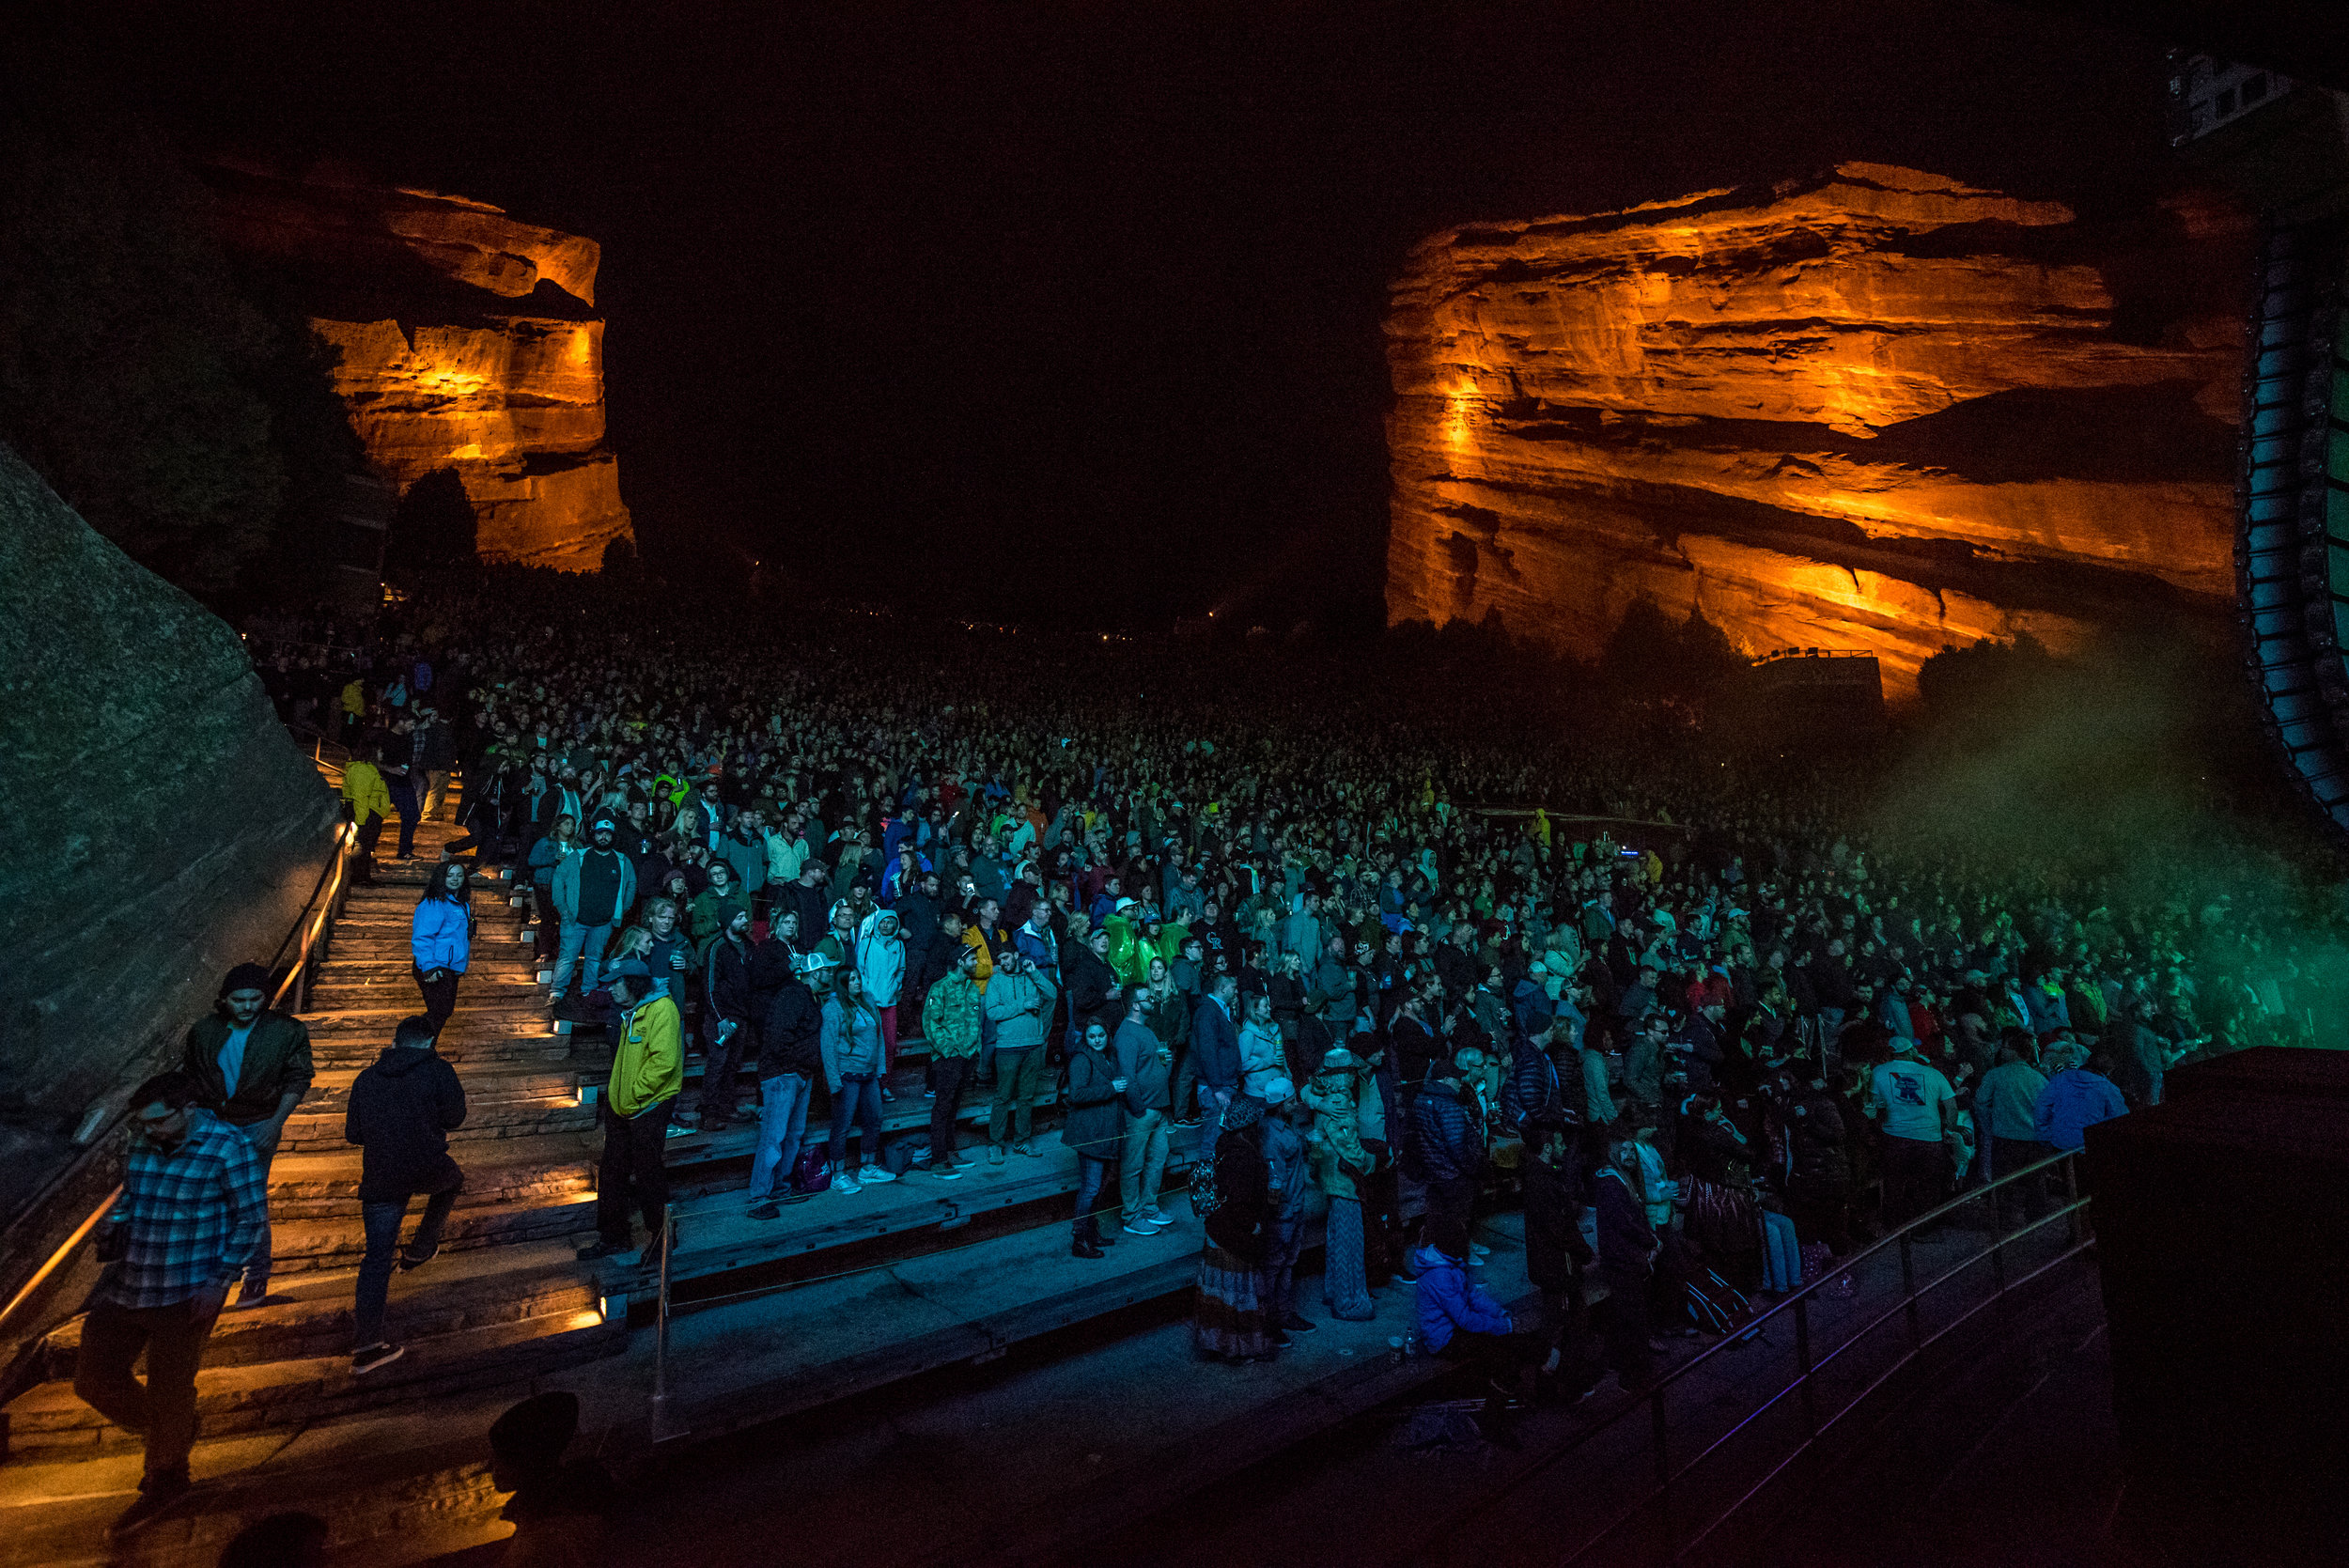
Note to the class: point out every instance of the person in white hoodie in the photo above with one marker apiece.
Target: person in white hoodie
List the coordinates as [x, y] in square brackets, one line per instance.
[881, 961]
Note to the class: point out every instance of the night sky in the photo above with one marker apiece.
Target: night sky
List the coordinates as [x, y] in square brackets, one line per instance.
[1073, 310]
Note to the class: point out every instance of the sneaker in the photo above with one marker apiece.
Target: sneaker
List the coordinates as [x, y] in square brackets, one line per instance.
[1028, 1149]
[157, 1494]
[603, 1250]
[765, 1211]
[951, 1172]
[417, 1260]
[844, 1183]
[1138, 1225]
[1480, 1248]
[929, 1094]
[995, 1154]
[875, 1174]
[887, 1097]
[375, 1356]
[1190, 1122]
[1298, 1323]
[1158, 1216]
[677, 1129]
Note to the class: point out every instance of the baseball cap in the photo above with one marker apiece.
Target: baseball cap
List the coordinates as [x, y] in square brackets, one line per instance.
[604, 825]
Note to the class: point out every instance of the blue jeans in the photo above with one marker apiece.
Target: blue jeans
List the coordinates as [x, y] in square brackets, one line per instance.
[1211, 1104]
[583, 945]
[256, 1265]
[382, 1221]
[859, 1100]
[1093, 1174]
[781, 1123]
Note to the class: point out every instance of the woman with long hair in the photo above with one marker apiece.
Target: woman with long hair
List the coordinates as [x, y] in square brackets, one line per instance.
[1231, 1320]
[851, 1044]
[561, 841]
[440, 938]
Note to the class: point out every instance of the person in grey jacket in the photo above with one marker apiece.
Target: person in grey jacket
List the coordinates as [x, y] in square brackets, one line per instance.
[1144, 1062]
[1019, 1004]
[593, 893]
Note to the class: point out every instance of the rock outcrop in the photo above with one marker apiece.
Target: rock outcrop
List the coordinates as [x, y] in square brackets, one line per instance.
[463, 340]
[1874, 410]
[158, 825]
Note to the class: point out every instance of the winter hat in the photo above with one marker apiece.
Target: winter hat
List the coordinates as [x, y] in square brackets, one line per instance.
[245, 977]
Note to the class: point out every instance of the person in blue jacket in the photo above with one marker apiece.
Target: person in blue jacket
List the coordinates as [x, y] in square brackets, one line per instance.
[1461, 1322]
[440, 938]
[2074, 1100]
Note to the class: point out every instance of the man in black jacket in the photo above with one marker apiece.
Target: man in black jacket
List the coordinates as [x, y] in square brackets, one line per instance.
[402, 1110]
[728, 1035]
[1092, 985]
[790, 1060]
[806, 899]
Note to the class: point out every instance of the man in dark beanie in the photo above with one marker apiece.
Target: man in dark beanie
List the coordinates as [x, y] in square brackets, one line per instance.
[251, 1066]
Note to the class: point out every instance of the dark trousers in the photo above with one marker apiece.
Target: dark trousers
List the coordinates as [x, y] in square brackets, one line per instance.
[369, 831]
[633, 1173]
[2027, 1198]
[1382, 1228]
[1622, 1323]
[162, 1409]
[1449, 1200]
[947, 1076]
[1501, 1358]
[440, 996]
[382, 1221]
[404, 803]
[721, 1067]
[1916, 1179]
[1095, 1175]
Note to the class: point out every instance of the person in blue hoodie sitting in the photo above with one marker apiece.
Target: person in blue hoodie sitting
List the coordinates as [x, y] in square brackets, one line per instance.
[1461, 1322]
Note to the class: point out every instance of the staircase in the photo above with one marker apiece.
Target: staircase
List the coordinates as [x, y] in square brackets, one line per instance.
[507, 1301]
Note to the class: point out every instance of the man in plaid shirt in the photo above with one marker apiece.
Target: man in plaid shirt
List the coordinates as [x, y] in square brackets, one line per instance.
[193, 1205]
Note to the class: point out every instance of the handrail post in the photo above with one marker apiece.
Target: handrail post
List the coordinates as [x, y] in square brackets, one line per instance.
[1909, 1290]
[661, 1429]
[1802, 1356]
[2071, 1193]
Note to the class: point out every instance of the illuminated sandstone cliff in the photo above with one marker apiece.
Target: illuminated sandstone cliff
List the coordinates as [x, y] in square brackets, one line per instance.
[463, 341]
[1873, 410]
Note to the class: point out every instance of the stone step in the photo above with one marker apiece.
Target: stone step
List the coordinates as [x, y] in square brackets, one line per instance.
[517, 1118]
[348, 1052]
[434, 1302]
[330, 1091]
[325, 1185]
[309, 1246]
[333, 995]
[252, 1396]
[476, 1020]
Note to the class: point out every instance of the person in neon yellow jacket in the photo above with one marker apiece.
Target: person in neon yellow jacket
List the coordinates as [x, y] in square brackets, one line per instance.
[648, 1070]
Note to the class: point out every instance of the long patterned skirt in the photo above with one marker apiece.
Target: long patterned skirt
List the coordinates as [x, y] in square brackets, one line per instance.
[1229, 1319]
[1344, 1283]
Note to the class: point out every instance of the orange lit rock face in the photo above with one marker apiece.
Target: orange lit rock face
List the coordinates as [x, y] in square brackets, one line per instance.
[1874, 410]
[463, 341]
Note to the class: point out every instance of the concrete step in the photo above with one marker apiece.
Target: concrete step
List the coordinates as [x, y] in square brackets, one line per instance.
[436, 1302]
[245, 1397]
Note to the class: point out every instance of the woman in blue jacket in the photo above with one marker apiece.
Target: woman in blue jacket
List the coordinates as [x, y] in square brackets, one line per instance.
[440, 938]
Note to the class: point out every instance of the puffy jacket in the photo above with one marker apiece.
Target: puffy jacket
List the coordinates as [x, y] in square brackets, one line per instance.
[1533, 1084]
[1449, 1302]
[1442, 1136]
[851, 1043]
[649, 1066]
[1020, 1006]
[880, 958]
[439, 935]
[1261, 1057]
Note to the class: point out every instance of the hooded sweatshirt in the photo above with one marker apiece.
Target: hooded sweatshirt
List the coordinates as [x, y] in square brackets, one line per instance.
[1449, 1302]
[400, 1114]
[880, 958]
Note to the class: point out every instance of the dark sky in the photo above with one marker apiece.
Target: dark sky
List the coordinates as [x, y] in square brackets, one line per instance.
[1074, 309]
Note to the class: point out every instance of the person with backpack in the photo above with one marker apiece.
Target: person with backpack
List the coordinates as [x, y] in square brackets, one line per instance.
[1235, 1196]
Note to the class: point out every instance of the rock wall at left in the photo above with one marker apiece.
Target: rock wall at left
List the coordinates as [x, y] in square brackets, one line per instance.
[157, 826]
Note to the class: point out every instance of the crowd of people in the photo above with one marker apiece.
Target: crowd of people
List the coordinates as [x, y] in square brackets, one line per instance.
[1361, 937]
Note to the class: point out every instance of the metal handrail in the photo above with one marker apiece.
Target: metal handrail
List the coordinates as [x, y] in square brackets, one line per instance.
[332, 883]
[1797, 1304]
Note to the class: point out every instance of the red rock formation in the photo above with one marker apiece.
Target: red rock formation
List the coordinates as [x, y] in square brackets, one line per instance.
[1874, 410]
[464, 340]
